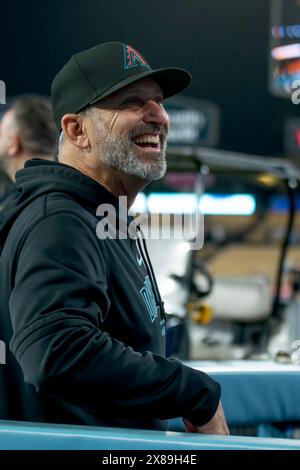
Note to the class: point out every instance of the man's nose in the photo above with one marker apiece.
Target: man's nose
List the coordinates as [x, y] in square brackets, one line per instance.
[156, 113]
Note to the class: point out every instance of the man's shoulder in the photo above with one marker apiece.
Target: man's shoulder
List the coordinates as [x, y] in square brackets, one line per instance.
[59, 202]
[51, 204]
[54, 207]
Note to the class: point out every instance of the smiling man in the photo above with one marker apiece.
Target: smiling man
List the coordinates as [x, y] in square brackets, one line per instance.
[128, 134]
[83, 315]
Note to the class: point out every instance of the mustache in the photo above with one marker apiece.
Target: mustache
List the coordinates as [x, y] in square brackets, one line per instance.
[149, 129]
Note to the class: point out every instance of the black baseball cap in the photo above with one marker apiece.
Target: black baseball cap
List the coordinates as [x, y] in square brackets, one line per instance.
[98, 72]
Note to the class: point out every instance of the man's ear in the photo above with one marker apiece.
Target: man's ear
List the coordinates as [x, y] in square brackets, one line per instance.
[75, 131]
[15, 146]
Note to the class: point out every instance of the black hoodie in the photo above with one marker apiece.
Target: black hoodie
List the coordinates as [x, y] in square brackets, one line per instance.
[81, 316]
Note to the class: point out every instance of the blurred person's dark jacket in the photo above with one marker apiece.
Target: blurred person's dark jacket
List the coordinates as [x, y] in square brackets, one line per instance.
[7, 187]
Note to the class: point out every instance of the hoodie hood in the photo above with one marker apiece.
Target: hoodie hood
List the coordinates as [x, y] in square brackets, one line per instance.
[40, 177]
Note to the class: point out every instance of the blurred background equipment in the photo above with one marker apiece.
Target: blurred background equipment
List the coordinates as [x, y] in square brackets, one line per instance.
[285, 46]
[231, 297]
[193, 122]
[292, 139]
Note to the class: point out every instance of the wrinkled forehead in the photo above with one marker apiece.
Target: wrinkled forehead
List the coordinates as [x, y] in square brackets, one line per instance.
[146, 87]
[145, 84]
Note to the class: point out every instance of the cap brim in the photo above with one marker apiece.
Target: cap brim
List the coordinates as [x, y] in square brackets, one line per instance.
[172, 80]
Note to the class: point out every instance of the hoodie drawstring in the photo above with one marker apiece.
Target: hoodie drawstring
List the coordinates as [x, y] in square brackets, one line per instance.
[144, 252]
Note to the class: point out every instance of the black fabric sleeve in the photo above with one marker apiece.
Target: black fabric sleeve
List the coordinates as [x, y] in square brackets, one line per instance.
[57, 304]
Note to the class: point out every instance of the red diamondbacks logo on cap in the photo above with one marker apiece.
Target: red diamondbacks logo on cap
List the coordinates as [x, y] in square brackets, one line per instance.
[132, 58]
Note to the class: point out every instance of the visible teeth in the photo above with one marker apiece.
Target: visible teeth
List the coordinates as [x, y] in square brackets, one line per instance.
[147, 139]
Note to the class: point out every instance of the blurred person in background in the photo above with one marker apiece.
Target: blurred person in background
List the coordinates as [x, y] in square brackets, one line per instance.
[27, 130]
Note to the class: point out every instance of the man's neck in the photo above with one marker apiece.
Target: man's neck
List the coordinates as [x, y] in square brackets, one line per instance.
[16, 164]
[115, 181]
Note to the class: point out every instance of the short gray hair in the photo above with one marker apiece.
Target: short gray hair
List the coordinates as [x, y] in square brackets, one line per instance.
[60, 144]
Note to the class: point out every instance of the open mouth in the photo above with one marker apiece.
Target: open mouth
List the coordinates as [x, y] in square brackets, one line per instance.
[147, 141]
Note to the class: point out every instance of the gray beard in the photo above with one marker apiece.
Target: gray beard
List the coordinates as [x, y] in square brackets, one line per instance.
[121, 155]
